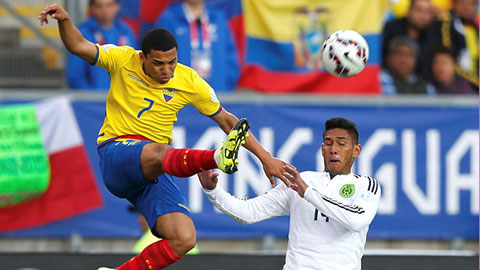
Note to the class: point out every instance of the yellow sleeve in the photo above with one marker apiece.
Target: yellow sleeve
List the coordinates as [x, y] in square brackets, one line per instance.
[205, 100]
[111, 57]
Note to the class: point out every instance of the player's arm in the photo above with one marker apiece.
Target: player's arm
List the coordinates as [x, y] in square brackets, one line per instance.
[271, 204]
[71, 36]
[272, 166]
[355, 216]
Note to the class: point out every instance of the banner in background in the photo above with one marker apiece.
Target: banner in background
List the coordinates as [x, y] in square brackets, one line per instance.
[284, 39]
[53, 131]
[24, 168]
[278, 42]
[141, 15]
[426, 159]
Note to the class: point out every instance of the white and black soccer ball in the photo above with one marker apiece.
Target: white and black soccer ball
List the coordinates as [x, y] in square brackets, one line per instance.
[344, 53]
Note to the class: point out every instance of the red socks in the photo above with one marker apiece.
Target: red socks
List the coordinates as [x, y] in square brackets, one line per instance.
[156, 256]
[187, 162]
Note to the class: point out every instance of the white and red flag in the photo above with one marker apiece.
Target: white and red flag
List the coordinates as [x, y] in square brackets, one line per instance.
[45, 175]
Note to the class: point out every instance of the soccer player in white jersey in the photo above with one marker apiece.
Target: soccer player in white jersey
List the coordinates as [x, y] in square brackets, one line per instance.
[330, 211]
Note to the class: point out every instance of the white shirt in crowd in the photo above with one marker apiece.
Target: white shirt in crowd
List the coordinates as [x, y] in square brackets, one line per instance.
[328, 227]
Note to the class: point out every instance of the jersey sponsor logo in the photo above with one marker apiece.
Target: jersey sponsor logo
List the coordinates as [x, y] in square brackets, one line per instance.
[168, 94]
[137, 79]
[347, 190]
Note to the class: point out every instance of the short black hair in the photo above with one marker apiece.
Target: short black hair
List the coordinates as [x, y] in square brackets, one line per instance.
[158, 39]
[443, 50]
[343, 123]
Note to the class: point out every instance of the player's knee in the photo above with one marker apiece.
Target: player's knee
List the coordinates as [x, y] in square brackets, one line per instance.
[190, 244]
[153, 153]
[184, 242]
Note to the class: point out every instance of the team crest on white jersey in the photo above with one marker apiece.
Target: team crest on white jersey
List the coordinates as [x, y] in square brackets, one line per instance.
[347, 190]
[168, 94]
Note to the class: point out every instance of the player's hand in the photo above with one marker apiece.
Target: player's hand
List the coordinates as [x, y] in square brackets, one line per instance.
[208, 179]
[274, 167]
[56, 11]
[296, 181]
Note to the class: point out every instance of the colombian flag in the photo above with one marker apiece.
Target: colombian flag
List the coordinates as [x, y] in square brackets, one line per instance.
[46, 176]
[283, 40]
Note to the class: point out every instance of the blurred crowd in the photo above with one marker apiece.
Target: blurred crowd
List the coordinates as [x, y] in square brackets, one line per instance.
[428, 46]
[431, 49]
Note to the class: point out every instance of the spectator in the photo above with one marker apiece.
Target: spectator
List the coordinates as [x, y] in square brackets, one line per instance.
[414, 25]
[205, 42]
[445, 79]
[457, 30]
[103, 27]
[399, 8]
[398, 77]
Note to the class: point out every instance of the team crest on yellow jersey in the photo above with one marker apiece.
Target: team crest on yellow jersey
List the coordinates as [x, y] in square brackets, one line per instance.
[168, 95]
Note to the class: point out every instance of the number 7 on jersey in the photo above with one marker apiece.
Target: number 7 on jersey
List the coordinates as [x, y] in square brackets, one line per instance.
[150, 105]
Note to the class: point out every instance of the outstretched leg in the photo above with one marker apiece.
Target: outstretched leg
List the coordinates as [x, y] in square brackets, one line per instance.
[159, 158]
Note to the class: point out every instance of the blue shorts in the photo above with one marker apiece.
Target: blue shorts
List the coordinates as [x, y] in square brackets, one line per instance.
[122, 175]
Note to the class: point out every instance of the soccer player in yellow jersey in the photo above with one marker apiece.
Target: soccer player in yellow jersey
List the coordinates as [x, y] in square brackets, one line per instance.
[147, 90]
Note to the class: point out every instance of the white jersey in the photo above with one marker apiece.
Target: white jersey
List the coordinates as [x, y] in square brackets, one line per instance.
[328, 227]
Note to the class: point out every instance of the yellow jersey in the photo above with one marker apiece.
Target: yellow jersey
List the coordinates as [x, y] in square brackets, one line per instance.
[138, 105]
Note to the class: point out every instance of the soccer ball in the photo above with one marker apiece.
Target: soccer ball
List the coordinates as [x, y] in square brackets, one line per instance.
[344, 53]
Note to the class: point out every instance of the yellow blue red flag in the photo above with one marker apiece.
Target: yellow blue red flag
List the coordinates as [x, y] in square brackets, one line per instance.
[283, 40]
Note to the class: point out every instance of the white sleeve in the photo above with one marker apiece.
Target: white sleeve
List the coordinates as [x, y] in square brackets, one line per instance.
[271, 204]
[355, 215]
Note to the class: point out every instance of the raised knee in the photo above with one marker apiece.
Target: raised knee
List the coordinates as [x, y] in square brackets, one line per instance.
[158, 152]
[153, 153]
[190, 244]
[183, 244]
